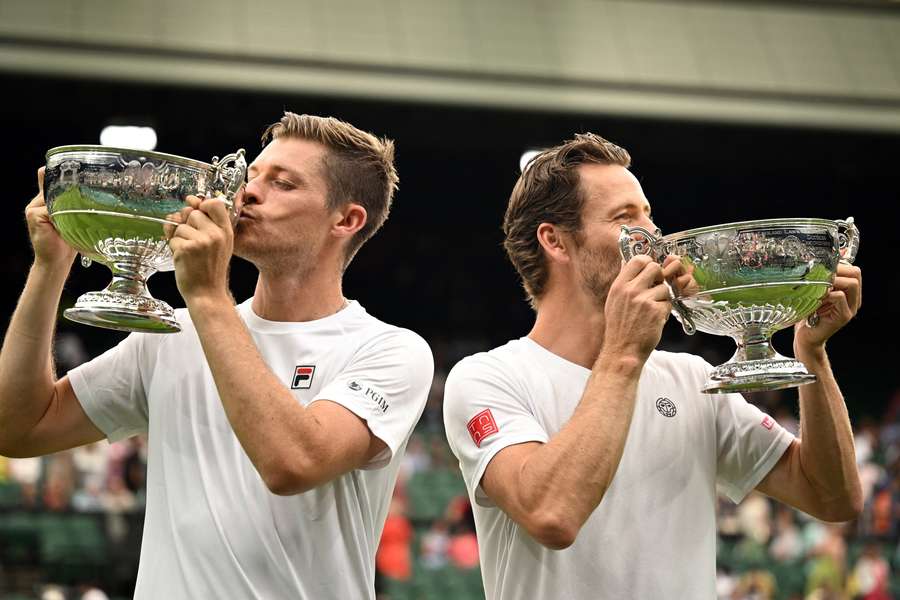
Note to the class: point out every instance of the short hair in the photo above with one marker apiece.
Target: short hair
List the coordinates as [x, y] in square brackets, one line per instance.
[549, 191]
[358, 167]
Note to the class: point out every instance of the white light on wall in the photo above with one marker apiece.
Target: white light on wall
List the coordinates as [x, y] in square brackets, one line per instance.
[527, 157]
[128, 136]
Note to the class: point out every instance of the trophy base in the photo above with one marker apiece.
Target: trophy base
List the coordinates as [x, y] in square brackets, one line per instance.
[124, 312]
[757, 376]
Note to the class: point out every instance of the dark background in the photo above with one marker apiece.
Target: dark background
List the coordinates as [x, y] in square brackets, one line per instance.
[438, 267]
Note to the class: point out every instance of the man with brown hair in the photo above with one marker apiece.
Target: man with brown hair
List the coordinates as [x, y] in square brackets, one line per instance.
[276, 427]
[592, 459]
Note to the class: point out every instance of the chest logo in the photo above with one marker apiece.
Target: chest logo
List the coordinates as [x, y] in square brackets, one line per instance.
[303, 376]
[481, 426]
[666, 407]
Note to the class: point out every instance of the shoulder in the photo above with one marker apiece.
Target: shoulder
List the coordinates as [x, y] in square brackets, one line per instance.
[502, 362]
[382, 337]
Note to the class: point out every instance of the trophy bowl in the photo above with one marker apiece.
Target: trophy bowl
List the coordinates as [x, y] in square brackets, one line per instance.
[751, 279]
[111, 205]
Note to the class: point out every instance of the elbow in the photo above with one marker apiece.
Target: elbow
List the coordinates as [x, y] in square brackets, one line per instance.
[287, 480]
[553, 531]
[848, 509]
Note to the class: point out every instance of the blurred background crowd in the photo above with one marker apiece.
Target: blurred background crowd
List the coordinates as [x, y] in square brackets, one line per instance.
[70, 523]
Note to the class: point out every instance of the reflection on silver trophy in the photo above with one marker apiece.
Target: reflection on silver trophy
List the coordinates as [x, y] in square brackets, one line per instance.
[751, 279]
[111, 205]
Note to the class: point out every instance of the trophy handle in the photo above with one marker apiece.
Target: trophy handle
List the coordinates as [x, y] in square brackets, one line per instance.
[650, 243]
[229, 174]
[848, 240]
[848, 246]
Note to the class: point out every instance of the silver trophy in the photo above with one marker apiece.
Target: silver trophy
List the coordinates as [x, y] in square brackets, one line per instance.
[111, 204]
[751, 279]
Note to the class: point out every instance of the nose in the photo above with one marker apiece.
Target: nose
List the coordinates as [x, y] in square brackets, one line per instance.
[251, 193]
[647, 223]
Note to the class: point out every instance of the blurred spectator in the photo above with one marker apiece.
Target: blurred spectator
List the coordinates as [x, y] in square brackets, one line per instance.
[91, 464]
[60, 483]
[415, 460]
[754, 585]
[787, 544]
[827, 571]
[463, 547]
[435, 545]
[394, 556]
[870, 578]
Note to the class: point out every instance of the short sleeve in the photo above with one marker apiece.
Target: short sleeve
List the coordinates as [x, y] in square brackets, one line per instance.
[386, 384]
[112, 388]
[749, 443]
[485, 412]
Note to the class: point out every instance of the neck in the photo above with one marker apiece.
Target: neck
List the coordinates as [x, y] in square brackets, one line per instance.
[298, 295]
[571, 325]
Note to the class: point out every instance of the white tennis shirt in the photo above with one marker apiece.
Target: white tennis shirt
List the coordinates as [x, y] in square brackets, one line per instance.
[212, 529]
[654, 533]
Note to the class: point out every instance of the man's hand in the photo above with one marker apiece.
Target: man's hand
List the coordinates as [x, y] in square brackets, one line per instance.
[637, 308]
[201, 246]
[840, 305]
[49, 247]
[680, 276]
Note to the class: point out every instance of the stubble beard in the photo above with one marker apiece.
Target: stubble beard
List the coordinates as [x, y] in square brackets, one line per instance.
[296, 259]
[599, 269]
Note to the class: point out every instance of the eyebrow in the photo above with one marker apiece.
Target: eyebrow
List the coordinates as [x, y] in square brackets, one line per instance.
[630, 205]
[281, 169]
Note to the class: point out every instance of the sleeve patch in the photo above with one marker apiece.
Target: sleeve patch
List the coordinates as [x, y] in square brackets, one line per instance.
[481, 426]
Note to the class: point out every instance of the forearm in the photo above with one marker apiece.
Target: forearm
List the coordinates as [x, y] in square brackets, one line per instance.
[571, 473]
[827, 454]
[268, 422]
[26, 360]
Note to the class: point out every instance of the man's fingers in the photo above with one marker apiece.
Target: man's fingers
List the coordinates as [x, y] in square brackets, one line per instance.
[186, 232]
[634, 266]
[217, 211]
[852, 288]
[650, 275]
[40, 178]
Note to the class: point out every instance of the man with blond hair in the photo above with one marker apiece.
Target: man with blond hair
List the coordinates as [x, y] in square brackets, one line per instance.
[275, 427]
[592, 459]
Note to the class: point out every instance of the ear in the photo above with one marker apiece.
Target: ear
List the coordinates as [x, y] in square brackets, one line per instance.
[349, 219]
[555, 242]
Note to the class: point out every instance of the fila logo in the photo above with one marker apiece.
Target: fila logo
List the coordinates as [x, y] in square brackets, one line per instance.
[481, 426]
[303, 375]
[768, 422]
[376, 396]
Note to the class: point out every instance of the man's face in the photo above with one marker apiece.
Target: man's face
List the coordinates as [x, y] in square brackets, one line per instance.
[283, 216]
[613, 197]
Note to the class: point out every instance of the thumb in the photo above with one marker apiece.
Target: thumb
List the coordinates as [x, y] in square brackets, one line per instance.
[40, 178]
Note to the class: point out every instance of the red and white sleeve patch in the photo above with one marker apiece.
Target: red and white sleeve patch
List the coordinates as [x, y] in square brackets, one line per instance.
[481, 426]
[768, 422]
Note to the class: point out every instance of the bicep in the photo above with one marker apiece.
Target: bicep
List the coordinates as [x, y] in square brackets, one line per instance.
[348, 443]
[501, 481]
[787, 483]
[64, 425]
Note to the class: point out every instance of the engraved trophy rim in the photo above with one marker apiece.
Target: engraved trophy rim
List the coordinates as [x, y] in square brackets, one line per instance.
[101, 149]
[750, 225]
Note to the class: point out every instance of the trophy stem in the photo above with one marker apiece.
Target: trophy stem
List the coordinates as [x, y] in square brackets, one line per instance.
[125, 304]
[756, 367]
